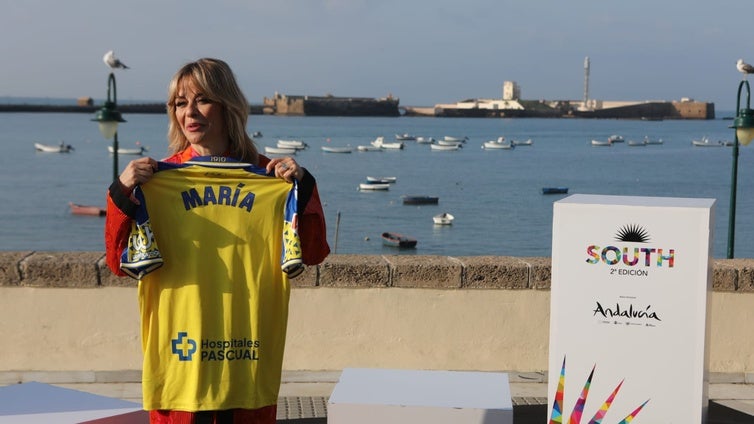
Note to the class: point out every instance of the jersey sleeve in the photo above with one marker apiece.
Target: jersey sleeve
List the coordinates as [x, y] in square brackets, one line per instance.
[291, 260]
[141, 254]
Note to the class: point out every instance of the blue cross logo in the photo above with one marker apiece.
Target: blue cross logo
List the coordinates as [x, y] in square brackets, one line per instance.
[183, 346]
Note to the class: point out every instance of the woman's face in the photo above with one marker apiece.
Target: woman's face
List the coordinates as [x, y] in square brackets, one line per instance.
[201, 120]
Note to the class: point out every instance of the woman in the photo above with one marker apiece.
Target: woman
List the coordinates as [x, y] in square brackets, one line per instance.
[208, 114]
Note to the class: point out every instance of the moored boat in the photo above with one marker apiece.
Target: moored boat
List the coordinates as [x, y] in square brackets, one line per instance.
[554, 190]
[279, 150]
[500, 143]
[380, 142]
[458, 139]
[527, 142]
[706, 142]
[615, 138]
[405, 137]
[78, 209]
[420, 200]
[444, 147]
[337, 149]
[292, 144]
[374, 186]
[398, 240]
[602, 143]
[51, 148]
[635, 143]
[128, 151]
[368, 148]
[382, 179]
[443, 219]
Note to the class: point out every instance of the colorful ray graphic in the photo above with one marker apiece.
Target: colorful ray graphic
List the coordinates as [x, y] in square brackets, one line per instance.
[578, 409]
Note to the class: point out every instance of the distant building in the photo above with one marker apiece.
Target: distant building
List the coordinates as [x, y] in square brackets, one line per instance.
[511, 90]
[84, 101]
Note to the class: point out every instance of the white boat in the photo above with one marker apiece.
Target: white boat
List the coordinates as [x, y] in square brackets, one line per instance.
[374, 186]
[425, 140]
[292, 144]
[500, 143]
[443, 219]
[337, 149]
[368, 148]
[634, 143]
[527, 142]
[48, 148]
[405, 137]
[449, 143]
[615, 138]
[380, 142]
[444, 147]
[705, 142]
[602, 143]
[382, 179]
[279, 150]
[129, 151]
[649, 141]
[459, 139]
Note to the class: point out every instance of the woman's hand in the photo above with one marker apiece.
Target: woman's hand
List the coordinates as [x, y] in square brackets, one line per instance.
[286, 168]
[138, 171]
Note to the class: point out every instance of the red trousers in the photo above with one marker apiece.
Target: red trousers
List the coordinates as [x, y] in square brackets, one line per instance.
[264, 415]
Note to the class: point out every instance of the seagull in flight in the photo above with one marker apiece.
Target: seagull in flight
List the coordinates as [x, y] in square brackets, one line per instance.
[744, 67]
[113, 62]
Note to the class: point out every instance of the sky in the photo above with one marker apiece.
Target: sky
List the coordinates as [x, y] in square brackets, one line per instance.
[422, 51]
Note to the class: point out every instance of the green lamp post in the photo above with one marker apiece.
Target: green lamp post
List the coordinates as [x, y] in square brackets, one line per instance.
[744, 125]
[109, 118]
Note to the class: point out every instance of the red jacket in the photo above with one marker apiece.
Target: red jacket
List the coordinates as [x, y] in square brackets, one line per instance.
[312, 231]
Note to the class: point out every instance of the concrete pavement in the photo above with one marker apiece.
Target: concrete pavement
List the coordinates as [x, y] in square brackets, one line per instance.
[304, 394]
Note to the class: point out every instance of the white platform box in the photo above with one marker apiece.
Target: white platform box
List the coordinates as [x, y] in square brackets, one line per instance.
[379, 396]
[629, 317]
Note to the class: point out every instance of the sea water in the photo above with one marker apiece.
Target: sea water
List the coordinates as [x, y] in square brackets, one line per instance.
[495, 195]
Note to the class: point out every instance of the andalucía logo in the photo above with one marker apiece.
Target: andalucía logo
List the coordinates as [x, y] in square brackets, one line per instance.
[183, 346]
[628, 253]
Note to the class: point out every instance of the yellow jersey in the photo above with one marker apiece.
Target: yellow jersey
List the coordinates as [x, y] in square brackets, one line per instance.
[213, 245]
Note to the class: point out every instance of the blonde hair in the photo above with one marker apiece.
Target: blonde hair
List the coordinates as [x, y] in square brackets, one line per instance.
[216, 81]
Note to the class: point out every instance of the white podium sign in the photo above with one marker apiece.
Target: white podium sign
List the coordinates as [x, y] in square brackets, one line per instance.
[629, 316]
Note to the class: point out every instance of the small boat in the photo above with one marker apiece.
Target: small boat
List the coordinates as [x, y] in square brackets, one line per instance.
[615, 138]
[48, 148]
[648, 141]
[380, 142]
[382, 179]
[500, 143]
[405, 137]
[705, 142]
[128, 151]
[449, 143]
[368, 148]
[635, 143]
[602, 143]
[256, 134]
[420, 200]
[292, 144]
[397, 240]
[337, 149]
[425, 140]
[443, 219]
[444, 147]
[77, 209]
[554, 190]
[374, 186]
[279, 150]
[458, 139]
[527, 142]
